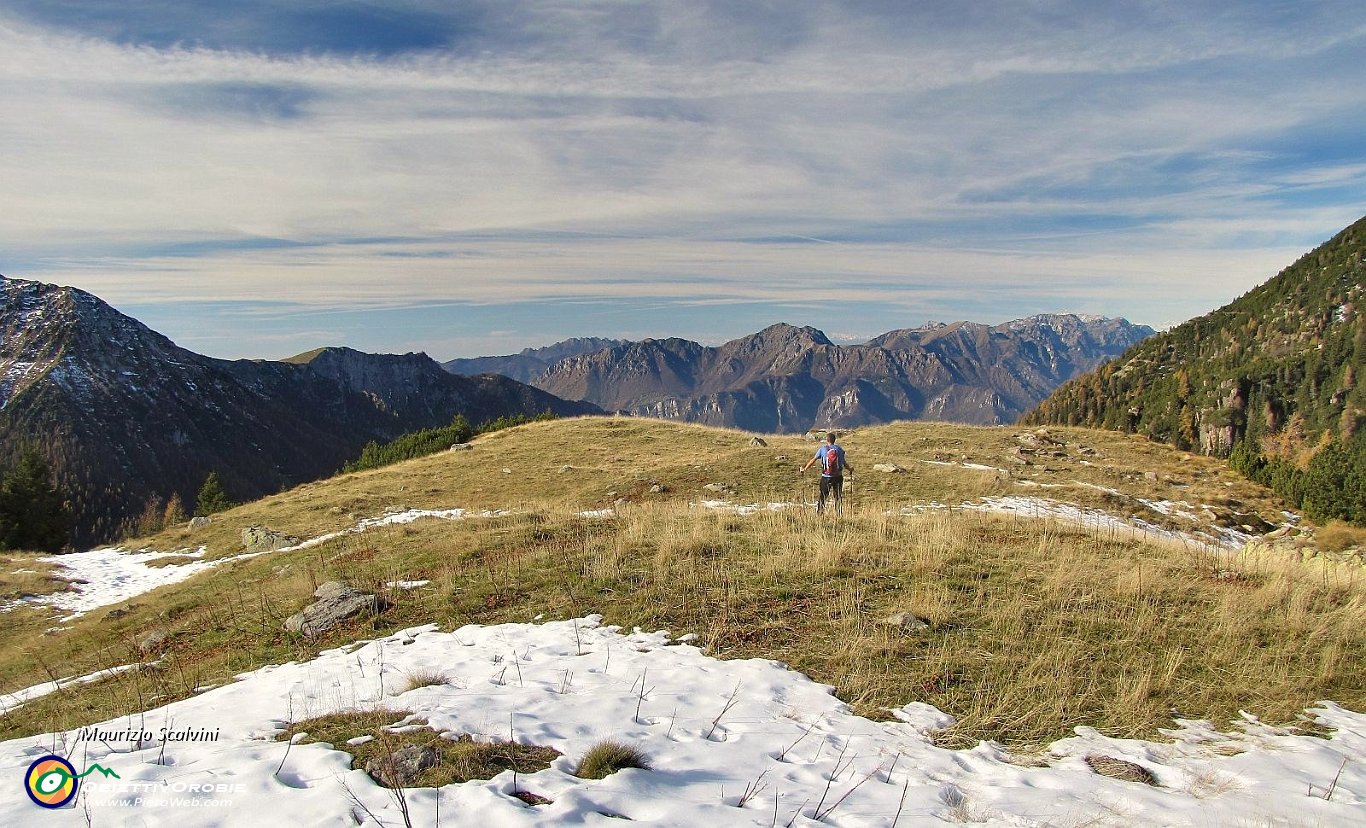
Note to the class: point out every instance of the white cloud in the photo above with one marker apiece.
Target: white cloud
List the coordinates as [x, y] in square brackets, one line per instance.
[1154, 160]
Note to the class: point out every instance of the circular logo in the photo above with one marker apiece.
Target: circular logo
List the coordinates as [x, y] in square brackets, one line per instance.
[51, 782]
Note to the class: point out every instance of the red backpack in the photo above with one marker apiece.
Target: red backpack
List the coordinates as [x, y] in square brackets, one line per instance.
[833, 466]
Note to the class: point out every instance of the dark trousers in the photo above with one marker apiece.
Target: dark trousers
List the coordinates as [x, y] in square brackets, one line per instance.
[830, 485]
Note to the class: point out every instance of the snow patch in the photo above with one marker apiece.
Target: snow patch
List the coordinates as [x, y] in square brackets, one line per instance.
[709, 728]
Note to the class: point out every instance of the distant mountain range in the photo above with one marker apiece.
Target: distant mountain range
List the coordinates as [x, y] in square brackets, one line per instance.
[790, 379]
[123, 414]
[529, 363]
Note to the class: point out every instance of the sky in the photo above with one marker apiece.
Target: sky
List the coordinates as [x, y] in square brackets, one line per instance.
[255, 178]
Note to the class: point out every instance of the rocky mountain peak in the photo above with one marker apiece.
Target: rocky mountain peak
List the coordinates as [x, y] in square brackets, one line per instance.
[780, 336]
[124, 414]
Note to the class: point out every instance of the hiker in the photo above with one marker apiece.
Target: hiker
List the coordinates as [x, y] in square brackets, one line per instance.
[833, 463]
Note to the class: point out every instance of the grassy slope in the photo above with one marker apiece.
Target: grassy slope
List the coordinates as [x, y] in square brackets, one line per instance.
[1036, 626]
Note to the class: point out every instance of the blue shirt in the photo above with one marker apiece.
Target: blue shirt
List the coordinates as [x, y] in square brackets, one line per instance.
[839, 459]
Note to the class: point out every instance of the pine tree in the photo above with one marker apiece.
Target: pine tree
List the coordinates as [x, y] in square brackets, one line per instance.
[211, 497]
[34, 513]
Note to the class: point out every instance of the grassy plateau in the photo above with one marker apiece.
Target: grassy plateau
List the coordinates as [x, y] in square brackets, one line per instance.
[1033, 624]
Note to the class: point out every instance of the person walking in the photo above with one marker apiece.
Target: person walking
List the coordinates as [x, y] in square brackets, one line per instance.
[833, 463]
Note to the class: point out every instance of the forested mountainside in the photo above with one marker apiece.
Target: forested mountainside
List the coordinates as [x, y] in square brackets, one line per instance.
[1271, 380]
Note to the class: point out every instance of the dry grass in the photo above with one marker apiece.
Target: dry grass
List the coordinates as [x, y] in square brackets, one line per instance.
[423, 678]
[460, 758]
[1036, 627]
[609, 756]
[23, 575]
[1339, 537]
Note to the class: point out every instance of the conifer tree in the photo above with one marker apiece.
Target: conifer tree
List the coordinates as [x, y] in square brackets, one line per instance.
[211, 497]
[34, 513]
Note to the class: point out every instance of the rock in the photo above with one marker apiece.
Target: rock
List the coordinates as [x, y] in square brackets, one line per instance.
[566, 468]
[506, 470]
[120, 612]
[461, 447]
[153, 641]
[658, 488]
[401, 768]
[905, 621]
[200, 522]
[1120, 769]
[336, 603]
[758, 442]
[261, 539]
[721, 488]
[1151, 476]
[888, 468]
[781, 458]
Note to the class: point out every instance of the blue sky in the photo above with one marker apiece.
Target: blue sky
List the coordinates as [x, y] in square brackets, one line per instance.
[257, 178]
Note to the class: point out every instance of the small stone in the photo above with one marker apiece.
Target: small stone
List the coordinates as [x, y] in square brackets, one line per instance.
[566, 468]
[403, 766]
[1120, 769]
[888, 468]
[153, 641]
[506, 470]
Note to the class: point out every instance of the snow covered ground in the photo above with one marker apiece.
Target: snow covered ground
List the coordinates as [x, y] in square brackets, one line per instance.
[569, 684]
[112, 575]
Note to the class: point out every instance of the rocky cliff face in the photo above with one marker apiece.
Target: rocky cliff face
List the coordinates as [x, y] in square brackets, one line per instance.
[788, 379]
[123, 413]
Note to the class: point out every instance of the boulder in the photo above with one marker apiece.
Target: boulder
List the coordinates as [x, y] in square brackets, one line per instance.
[888, 468]
[758, 442]
[153, 641]
[200, 522]
[461, 447]
[658, 488]
[401, 768]
[905, 621]
[261, 539]
[336, 603]
[721, 488]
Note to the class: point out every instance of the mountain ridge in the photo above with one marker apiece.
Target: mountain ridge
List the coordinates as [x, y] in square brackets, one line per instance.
[787, 378]
[123, 414]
